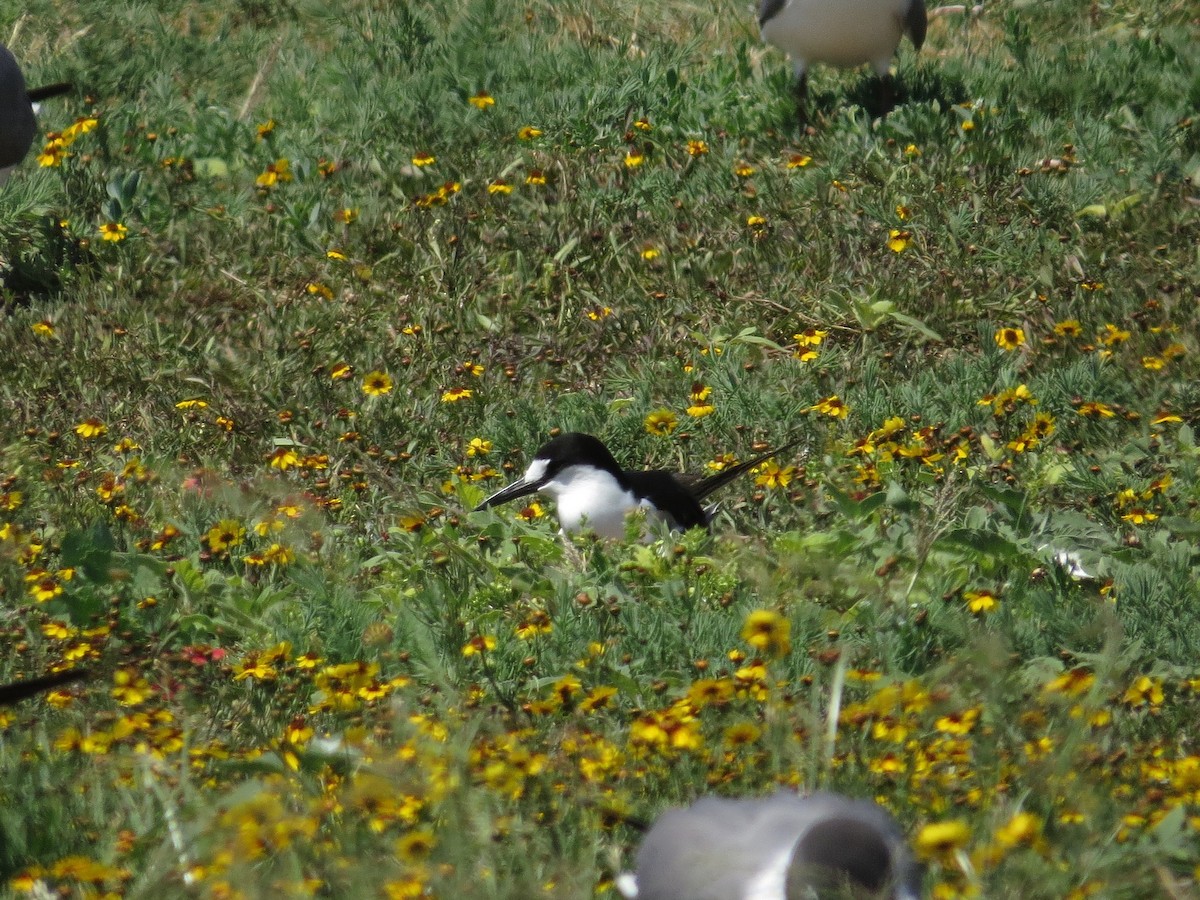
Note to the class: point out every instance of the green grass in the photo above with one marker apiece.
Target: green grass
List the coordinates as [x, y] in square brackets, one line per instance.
[1043, 172]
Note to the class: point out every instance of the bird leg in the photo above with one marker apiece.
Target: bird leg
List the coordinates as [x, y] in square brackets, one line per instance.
[801, 93]
[885, 93]
[573, 554]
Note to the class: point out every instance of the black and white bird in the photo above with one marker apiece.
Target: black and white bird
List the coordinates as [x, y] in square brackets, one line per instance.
[18, 122]
[591, 491]
[782, 847]
[843, 33]
[22, 690]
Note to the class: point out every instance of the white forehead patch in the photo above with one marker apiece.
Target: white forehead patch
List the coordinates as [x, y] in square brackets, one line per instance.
[536, 471]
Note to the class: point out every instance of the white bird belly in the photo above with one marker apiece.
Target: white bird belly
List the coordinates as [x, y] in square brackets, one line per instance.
[842, 33]
[591, 499]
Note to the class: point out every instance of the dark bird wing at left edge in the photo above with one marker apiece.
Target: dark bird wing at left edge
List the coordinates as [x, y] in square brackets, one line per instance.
[21, 690]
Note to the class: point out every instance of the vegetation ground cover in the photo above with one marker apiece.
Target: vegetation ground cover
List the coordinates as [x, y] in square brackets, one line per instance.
[291, 287]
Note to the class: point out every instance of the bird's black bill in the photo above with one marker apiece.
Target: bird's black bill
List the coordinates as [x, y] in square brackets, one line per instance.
[519, 488]
[50, 90]
[20, 690]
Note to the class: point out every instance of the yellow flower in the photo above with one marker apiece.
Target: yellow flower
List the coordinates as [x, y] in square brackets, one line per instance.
[770, 475]
[650, 252]
[420, 160]
[53, 153]
[528, 133]
[1068, 328]
[1145, 690]
[43, 586]
[482, 100]
[1073, 682]
[661, 422]
[1023, 828]
[1095, 410]
[1139, 516]
[538, 623]
[130, 688]
[958, 723]
[798, 161]
[768, 632]
[981, 602]
[756, 222]
[283, 458]
[697, 148]
[535, 177]
[44, 328]
[941, 839]
[416, 846]
[532, 511]
[643, 124]
[634, 158]
[479, 447]
[499, 186]
[455, 394]
[376, 383]
[1009, 338]
[345, 216]
[898, 240]
[225, 534]
[91, 428]
[700, 410]
[479, 645]
[597, 698]
[113, 231]
[1113, 335]
[832, 407]
[810, 337]
[276, 172]
[743, 170]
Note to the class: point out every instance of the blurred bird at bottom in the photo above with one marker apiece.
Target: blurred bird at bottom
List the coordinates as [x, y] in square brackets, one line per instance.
[782, 847]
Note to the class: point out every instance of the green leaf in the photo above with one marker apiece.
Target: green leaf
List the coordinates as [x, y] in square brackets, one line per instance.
[90, 552]
[987, 542]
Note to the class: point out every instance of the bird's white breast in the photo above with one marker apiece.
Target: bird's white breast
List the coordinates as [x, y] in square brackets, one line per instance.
[591, 498]
[838, 32]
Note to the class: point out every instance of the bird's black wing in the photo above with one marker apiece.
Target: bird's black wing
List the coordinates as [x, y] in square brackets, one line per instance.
[20, 690]
[670, 496]
[701, 486]
[916, 21]
[45, 92]
[768, 9]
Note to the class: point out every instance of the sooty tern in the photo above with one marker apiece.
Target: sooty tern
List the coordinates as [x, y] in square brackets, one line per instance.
[20, 690]
[18, 125]
[843, 33]
[591, 491]
[783, 847]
